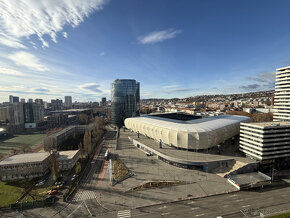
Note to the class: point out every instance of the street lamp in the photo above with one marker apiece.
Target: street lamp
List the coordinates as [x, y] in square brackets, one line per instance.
[160, 143]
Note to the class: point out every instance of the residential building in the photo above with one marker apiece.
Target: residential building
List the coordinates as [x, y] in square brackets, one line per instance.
[56, 104]
[16, 114]
[125, 95]
[265, 141]
[13, 99]
[282, 95]
[68, 102]
[38, 101]
[33, 114]
[3, 113]
[104, 102]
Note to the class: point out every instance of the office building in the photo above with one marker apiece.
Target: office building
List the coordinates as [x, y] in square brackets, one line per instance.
[265, 141]
[22, 100]
[125, 95]
[13, 99]
[24, 166]
[68, 102]
[282, 95]
[30, 100]
[32, 165]
[104, 102]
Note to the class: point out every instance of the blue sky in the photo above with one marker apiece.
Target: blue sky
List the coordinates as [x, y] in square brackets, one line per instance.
[181, 48]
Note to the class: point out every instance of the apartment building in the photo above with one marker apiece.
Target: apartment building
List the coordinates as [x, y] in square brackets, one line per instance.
[282, 95]
[265, 141]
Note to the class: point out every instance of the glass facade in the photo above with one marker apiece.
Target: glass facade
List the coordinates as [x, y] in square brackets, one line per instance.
[125, 95]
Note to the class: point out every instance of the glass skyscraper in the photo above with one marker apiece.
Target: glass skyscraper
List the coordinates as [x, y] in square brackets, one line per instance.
[125, 97]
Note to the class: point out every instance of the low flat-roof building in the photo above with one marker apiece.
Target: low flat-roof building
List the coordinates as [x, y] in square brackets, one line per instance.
[265, 141]
[186, 131]
[24, 166]
[31, 165]
[67, 159]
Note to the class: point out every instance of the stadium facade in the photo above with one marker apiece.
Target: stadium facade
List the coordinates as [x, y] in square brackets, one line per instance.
[187, 132]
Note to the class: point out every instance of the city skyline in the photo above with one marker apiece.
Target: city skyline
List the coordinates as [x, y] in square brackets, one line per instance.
[175, 49]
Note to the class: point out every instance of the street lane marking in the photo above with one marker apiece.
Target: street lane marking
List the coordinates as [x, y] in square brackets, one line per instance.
[246, 205]
[191, 202]
[199, 214]
[194, 208]
[239, 200]
[124, 214]
[165, 214]
[162, 207]
[231, 196]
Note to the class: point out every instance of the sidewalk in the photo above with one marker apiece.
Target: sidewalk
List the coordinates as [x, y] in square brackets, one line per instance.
[149, 168]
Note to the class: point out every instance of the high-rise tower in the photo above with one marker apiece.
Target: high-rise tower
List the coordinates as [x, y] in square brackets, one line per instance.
[282, 95]
[125, 96]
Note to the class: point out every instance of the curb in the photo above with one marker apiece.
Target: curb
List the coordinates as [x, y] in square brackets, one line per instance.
[185, 199]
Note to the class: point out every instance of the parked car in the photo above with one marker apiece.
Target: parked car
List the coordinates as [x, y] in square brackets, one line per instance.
[73, 177]
[40, 183]
[52, 192]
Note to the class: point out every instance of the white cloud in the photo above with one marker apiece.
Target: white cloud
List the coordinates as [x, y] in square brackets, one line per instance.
[158, 36]
[170, 86]
[92, 87]
[65, 35]
[8, 71]
[28, 60]
[22, 18]
[10, 41]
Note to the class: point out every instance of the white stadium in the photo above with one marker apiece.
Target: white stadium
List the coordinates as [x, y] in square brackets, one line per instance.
[186, 131]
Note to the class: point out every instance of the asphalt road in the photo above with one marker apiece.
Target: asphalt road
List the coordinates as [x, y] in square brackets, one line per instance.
[270, 200]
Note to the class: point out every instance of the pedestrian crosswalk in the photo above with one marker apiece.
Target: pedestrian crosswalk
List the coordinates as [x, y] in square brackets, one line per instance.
[124, 214]
[84, 195]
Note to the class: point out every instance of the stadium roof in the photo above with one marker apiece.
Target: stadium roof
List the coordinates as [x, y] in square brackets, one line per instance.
[196, 125]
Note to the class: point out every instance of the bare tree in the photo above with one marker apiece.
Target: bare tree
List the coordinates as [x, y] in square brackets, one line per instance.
[87, 143]
[53, 164]
[25, 149]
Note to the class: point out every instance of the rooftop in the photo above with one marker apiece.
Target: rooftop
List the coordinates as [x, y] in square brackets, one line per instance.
[66, 155]
[249, 178]
[269, 124]
[176, 116]
[195, 125]
[283, 68]
[25, 158]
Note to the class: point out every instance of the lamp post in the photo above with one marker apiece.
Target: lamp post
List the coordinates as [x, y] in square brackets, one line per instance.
[138, 133]
[160, 143]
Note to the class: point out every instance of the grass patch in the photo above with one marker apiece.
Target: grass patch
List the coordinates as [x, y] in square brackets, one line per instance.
[285, 215]
[15, 142]
[9, 193]
[119, 170]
